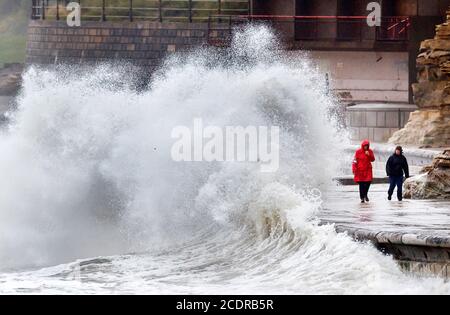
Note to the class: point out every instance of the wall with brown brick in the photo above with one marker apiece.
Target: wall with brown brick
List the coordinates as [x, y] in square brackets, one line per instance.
[142, 43]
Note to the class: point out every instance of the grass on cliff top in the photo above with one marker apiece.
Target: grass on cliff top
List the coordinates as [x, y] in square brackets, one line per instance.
[12, 48]
[13, 26]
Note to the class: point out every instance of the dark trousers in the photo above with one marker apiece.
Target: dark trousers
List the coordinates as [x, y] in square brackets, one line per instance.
[396, 181]
[364, 189]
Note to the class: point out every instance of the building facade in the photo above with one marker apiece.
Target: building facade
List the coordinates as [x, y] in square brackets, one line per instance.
[365, 64]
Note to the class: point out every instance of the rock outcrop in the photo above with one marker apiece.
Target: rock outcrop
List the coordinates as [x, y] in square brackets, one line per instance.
[433, 182]
[430, 125]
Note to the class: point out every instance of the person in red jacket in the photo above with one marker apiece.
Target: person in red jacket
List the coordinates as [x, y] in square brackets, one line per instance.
[362, 169]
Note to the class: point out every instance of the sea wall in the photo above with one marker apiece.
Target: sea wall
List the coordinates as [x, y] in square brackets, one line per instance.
[416, 253]
[141, 43]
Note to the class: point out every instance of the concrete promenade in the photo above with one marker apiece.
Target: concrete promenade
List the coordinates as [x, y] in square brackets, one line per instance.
[414, 232]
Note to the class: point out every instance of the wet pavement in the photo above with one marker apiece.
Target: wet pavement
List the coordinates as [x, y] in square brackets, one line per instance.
[419, 219]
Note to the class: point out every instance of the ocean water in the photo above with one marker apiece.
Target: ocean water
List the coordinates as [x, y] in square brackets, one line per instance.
[91, 201]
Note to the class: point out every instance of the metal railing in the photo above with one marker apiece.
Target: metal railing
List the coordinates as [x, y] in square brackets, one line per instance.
[393, 28]
[153, 10]
[228, 12]
[301, 28]
[344, 28]
[348, 28]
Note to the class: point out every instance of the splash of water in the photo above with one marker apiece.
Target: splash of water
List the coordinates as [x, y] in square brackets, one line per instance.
[86, 172]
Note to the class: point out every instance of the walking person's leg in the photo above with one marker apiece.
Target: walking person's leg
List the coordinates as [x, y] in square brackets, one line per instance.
[361, 191]
[400, 188]
[367, 191]
[392, 185]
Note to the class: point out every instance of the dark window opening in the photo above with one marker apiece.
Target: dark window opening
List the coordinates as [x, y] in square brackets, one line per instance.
[305, 28]
[350, 27]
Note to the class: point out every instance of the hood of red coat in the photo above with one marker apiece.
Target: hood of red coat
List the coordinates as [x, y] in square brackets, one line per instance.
[364, 143]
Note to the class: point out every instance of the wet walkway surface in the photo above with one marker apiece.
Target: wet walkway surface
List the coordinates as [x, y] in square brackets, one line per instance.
[413, 222]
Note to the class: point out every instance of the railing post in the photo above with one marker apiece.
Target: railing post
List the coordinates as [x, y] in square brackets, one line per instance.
[57, 10]
[33, 12]
[43, 10]
[361, 26]
[81, 9]
[209, 29]
[376, 30]
[160, 11]
[190, 11]
[316, 27]
[103, 10]
[219, 9]
[130, 13]
[408, 23]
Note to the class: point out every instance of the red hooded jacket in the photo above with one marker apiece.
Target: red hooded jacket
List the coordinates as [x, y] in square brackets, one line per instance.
[362, 164]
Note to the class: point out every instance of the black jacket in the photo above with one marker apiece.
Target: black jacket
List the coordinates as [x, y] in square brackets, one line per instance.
[397, 165]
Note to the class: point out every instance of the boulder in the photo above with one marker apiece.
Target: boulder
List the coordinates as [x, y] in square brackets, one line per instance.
[433, 182]
[425, 128]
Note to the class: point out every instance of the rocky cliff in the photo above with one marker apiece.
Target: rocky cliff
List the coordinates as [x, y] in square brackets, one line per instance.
[430, 125]
[10, 79]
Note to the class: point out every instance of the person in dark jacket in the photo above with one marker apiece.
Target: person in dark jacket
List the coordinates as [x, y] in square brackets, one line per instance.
[396, 167]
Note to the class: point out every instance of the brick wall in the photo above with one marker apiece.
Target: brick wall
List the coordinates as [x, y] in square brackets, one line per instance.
[142, 43]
